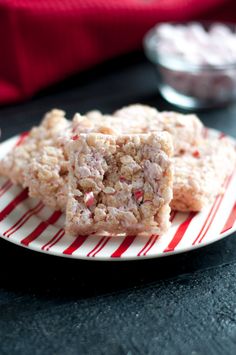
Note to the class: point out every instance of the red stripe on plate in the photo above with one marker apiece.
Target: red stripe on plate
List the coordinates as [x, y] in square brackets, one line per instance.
[5, 188]
[6, 183]
[152, 240]
[26, 216]
[102, 246]
[180, 233]
[124, 246]
[212, 213]
[230, 221]
[216, 210]
[41, 228]
[75, 245]
[211, 220]
[57, 240]
[146, 245]
[14, 203]
[206, 220]
[96, 246]
[150, 247]
[21, 138]
[52, 240]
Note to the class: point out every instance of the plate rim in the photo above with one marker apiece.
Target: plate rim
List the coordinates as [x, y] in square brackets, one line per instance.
[126, 258]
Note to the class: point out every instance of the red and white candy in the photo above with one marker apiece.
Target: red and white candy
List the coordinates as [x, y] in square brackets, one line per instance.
[196, 46]
[89, 199]
[138, 195]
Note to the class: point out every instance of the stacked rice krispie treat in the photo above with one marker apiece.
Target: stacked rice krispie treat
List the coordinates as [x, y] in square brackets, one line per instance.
[186, 130]
[13, 165]
[200, 172]
[59, 157]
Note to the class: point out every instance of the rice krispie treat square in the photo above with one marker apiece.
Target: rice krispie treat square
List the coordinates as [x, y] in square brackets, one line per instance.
[200, 173]
[47, 176]
[14, 164]
[119, 184]
[186, 130]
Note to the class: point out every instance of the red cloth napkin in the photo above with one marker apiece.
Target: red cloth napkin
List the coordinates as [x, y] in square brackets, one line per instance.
[45, 41]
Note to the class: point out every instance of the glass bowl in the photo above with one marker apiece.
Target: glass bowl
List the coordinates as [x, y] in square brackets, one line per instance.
[188, 85]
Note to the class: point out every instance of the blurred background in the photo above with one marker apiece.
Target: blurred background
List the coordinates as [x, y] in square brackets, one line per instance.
[48, 41]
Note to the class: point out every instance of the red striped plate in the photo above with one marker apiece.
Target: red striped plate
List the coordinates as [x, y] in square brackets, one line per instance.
[28, 223]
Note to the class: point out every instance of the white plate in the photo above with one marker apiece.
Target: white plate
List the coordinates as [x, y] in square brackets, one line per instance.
[26, 222]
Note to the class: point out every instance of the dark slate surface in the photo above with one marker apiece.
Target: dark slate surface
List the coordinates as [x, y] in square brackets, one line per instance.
[184, 304]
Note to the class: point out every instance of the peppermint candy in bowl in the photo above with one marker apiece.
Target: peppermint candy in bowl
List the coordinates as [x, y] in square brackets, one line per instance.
[196, 63]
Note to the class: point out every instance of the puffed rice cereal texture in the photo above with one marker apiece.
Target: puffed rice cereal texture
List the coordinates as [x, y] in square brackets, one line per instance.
[119, 184]
[200, 173]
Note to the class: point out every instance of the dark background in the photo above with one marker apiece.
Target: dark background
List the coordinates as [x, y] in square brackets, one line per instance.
[184, 304]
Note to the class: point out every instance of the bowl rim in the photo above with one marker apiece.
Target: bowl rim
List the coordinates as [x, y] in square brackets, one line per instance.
[176, 62]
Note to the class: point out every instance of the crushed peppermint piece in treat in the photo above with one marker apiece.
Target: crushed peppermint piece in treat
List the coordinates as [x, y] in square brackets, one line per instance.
[123, 179]
[75, 137]
[196, 154]
[89, 199]
[138, 195]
